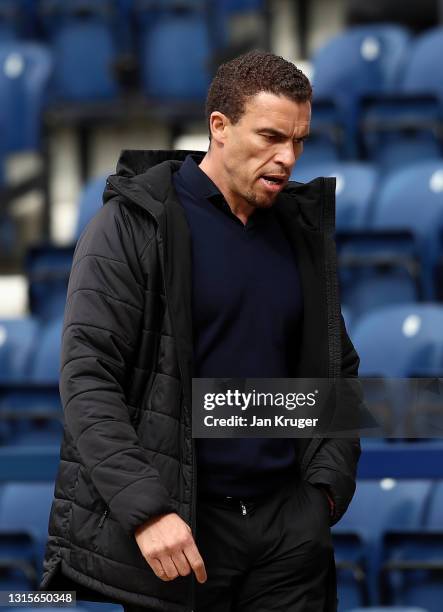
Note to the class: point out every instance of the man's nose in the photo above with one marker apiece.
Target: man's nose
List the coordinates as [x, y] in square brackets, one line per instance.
[286, 156]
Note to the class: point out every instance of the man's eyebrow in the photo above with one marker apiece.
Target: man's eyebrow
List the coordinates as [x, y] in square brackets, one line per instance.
[275, 132]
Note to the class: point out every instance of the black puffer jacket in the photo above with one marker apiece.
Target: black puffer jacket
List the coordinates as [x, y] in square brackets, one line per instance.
[126, 371]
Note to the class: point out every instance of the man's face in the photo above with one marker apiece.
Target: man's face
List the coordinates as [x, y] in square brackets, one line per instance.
[260, 150]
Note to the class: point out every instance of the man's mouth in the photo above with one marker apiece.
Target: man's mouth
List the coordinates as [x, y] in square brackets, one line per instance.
[274, 181]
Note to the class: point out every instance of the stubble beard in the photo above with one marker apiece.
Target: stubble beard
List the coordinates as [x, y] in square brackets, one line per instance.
[252, 199]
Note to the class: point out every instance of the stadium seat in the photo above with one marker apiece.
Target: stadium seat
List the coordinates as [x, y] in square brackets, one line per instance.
[355, 186]
[396, 208]
[25, 70]
[361, 61]
[91, 200]
[18, 340]
[45, 368]
[30, 407]
[358, 536]
[406, 123]
[318, 149]
[82, 41]
[47, 269]
[413, 568]
[397, 342]
[175, 54]
[400, 341]
[395, 260]
[420, 76]
[24, 514]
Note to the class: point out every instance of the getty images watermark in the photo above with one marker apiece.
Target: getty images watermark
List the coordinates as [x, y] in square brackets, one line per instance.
[308, 407]
[254, 399]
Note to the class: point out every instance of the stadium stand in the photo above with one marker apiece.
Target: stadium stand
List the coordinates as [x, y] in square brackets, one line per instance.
[396, 209]
[376, 127]
[361, 61]
[30, 408]
[405, 125]
[396, 256]
[23, 529]
[412, 570]
[358, 537]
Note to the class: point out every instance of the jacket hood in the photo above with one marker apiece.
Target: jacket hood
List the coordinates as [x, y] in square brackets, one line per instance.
[144, 178]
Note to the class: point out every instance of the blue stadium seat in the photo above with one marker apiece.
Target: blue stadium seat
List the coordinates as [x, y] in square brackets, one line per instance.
[355, 187]
[175, 54]
[413, 568]
[47, 269]
[361, 61]
[397, 342]
[91, 200]
[318, 149]
[420, 70]
[24, 514]
[84, 49]
[18, 339]
[358, 536]
[396, 209]
[365, 290]
[395, 261]
[25, 70]
[400, 341]
[403, 126]
[30, 408]
[392, 151]
[45, 368]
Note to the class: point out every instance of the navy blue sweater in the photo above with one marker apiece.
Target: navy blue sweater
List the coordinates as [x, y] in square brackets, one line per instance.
[246, 316]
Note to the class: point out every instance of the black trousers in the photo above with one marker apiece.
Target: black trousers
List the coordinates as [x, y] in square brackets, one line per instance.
[273, 554]
[266, 555]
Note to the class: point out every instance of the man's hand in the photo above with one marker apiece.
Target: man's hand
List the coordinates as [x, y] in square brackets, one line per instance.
[167, 544]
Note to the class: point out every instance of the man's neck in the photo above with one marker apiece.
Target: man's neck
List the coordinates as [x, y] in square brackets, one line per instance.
[239, 207]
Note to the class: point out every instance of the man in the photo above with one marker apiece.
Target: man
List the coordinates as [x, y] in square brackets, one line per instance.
[211, 266]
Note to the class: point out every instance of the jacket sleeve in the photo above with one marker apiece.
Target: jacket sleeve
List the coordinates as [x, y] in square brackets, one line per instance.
[102, 322]
[334, 466]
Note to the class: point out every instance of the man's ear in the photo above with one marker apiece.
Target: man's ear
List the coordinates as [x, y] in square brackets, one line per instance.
[218, 124]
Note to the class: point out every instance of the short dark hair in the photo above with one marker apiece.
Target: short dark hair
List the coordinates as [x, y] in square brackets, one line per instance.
[249, 74]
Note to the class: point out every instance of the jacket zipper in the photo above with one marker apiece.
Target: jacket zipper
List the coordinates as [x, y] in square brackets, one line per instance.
[332, 306]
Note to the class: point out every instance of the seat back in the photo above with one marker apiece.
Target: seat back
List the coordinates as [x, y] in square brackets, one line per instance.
[355, 187]
[399, 341]
[45, 368]
[25, 70]
[18, 339]
[423, 74]
[91, 200]
[361, 60]
[175, 55]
